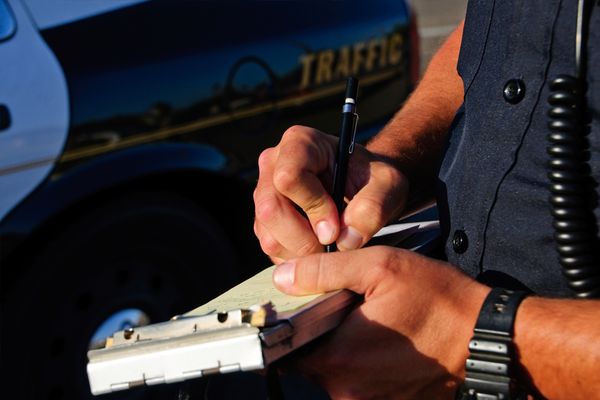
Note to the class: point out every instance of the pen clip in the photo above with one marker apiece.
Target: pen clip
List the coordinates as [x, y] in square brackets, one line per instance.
[355, 124]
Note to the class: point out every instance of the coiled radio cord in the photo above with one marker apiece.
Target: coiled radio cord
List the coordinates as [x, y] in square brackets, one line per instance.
[572, 192]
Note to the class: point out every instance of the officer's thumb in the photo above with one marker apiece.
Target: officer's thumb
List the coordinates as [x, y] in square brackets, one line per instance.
[320, 273]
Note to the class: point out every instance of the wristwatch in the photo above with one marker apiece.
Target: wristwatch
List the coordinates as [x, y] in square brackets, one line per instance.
[490, 368]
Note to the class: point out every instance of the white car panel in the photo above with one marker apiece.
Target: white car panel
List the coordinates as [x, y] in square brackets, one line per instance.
[35, 91]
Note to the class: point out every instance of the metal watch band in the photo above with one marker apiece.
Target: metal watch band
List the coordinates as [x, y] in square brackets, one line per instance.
[489, 368]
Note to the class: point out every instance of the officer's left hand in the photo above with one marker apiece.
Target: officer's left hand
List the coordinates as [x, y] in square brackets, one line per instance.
[407, 340]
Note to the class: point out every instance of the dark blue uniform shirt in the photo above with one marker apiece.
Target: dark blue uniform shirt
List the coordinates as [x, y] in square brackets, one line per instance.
[493, 185]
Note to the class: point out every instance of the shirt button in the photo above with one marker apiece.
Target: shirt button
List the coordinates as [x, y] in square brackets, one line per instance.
[514, 91]
[460, 242]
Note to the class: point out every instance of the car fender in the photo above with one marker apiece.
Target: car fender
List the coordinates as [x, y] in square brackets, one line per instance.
[100, 174]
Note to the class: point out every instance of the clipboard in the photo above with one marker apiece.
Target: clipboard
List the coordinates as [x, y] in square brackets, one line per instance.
[247, 328]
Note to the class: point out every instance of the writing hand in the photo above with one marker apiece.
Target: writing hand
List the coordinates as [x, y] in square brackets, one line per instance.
[295, 179]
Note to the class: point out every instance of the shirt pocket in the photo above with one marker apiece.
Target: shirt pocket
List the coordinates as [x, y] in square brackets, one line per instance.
[475, 34]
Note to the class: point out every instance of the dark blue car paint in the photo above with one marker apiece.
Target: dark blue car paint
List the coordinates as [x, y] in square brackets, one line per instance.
[196, 78]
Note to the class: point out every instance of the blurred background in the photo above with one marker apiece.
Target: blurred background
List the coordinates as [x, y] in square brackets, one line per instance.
[129, 137]
[437, 19]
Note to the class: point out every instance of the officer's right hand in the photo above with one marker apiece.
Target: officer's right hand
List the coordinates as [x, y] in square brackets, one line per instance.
[297, 174]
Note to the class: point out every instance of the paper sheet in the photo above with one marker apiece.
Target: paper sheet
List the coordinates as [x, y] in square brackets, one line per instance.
[257, 290]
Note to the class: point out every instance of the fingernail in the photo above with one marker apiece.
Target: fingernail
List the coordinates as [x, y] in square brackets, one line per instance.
[350, 239]
[284, 274]
[325, 232]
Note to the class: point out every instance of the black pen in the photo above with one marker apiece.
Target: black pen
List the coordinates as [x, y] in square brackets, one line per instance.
[345, 148]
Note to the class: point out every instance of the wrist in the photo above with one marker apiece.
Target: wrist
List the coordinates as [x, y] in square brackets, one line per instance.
[557, 341]
[466, 311]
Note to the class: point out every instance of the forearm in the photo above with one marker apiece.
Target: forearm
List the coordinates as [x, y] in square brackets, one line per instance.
[559, 346]
[414, 138]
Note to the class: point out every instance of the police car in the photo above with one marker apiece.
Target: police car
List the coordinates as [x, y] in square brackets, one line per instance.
[129, 138]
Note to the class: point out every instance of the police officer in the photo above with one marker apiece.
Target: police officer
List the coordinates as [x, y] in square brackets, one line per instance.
[483, 117]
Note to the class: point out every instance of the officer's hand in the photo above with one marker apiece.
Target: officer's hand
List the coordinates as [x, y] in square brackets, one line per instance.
[298, 172]
[408, 340]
